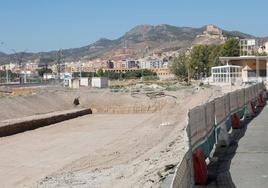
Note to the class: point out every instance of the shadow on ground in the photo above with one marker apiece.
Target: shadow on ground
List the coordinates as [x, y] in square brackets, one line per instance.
[218, 169]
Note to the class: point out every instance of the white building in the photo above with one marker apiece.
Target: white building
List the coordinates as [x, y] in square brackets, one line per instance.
[266, 47]
[226, 74]
[239, 70]
[84, 81]
[9, 66]
[132, 64]
[99, 82]
[245, 68]
[150, 63]
[48, 76]
[74, 83]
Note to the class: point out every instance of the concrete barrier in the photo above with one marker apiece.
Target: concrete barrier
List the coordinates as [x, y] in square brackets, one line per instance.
[14, 126]
[182, 177]
[200, 127]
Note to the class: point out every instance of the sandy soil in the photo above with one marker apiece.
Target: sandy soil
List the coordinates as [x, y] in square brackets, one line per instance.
[122, 147]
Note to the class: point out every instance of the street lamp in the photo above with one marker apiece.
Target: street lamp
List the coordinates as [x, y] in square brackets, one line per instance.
[1, 43]
[196, 73]
[59, 58]
[80, 69]
[188, 51]
[206, 73]
[205, 70]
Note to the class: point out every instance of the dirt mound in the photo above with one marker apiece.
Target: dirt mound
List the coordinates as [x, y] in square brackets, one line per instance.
[101, 101]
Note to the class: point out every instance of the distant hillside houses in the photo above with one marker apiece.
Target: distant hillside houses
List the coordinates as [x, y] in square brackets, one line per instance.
[157, 62]
[28, 68]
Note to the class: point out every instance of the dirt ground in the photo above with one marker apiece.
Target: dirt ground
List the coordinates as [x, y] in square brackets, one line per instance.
[129, 141]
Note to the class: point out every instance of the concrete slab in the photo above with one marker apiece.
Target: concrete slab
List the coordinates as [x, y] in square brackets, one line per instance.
[249, 167]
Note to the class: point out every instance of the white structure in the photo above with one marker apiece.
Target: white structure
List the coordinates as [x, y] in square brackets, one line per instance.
[74, 83]
[247, 66]
[99, 82]
[226, 74]
[48, 76]
[254, 68]
[67, 79]
[150, 63]
[266, 47]
[246, 74]
[84, 81]
[248, 47]
[132, 64]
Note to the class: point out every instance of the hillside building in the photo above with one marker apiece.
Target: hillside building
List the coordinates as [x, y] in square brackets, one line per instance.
[153, 63]
[213, 32]
[132, 64]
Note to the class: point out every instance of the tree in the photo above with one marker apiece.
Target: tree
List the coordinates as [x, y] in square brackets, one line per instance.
[133, 75]
[199, 61]
[180, 66]
[44, 62]
[214, 54]
[84, 74]
[231, 48]
[202, 58]
[11, 74]
[100, 73]
[44, 70]
[147, 72]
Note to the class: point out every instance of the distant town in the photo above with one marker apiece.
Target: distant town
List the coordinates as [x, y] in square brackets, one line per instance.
[121, 61]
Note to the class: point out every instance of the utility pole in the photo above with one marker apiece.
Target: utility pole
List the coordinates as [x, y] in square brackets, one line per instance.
[142, 75]
[59, 59]
[1, 43]
[188, 51]
[6, 75]
[80, 69]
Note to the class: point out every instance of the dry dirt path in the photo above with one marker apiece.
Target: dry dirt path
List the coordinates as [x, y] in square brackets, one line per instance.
[29, 156]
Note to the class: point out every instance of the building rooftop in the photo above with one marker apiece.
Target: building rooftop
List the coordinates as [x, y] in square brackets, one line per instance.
[245, 58]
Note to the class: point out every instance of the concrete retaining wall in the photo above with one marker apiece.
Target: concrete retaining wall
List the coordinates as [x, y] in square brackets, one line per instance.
[15, 126]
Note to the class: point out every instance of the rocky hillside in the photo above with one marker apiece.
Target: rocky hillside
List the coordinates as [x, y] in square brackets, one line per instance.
[138, 41]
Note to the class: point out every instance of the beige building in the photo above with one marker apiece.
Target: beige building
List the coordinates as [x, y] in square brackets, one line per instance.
[254, 68]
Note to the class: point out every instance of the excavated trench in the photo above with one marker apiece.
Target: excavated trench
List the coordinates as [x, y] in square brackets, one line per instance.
[24, 113]
[128, 140]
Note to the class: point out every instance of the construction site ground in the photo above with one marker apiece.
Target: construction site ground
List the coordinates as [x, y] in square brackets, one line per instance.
[129, 140]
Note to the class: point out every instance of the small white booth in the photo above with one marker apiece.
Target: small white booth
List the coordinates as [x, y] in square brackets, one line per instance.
[99, 82]
[84, 81]
[74, 83]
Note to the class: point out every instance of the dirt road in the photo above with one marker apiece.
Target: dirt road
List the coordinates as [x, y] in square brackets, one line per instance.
[29, 156]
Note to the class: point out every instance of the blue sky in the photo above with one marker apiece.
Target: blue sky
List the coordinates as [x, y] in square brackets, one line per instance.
[43, 25]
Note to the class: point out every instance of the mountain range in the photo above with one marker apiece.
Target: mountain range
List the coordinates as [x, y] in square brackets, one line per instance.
[139, 41]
